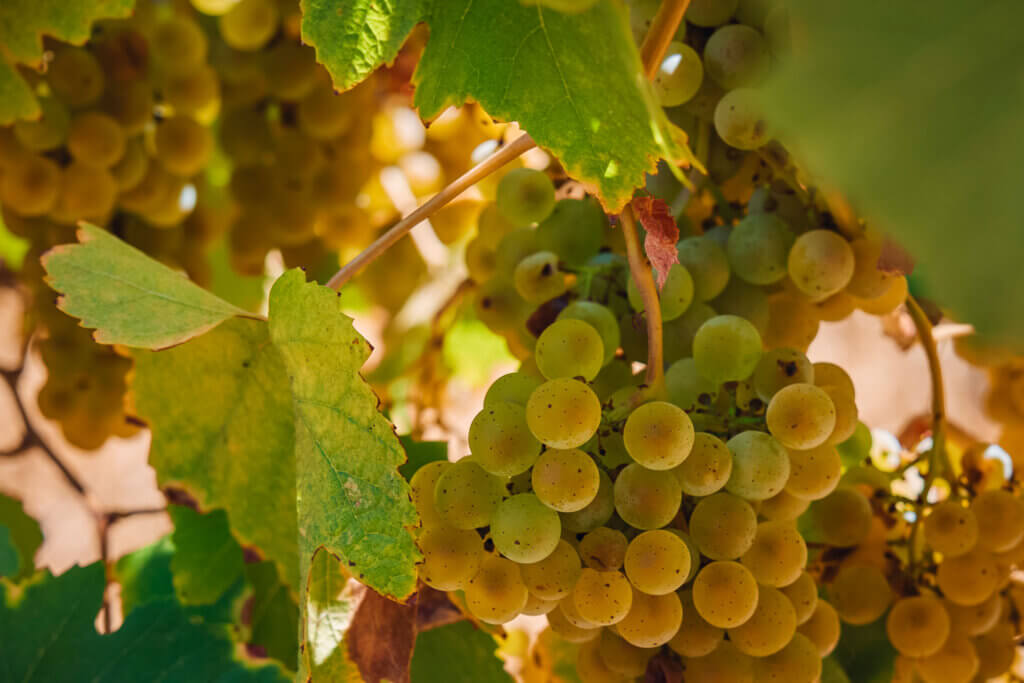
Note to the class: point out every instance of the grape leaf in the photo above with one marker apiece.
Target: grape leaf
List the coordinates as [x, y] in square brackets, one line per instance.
[16, 98]
[831, 672]
[351, 498]
[662, 235]
[420, 453]
[10, 558]
[223, 429]
[47, 634]
[865, 654]
[130, 298]
[273, 614]
[24, 536]
[457, 653]
[145, 575]
[207, 559]
[905, 108]
[574, 82]
[328, 606]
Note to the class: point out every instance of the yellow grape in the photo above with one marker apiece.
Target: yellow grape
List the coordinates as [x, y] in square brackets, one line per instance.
[178, 45]
[820, 263]
[723, 526]
[591, 667]
[974, 620]
[47, 132]
[778, 554]
[535, 606]
[837, 307]
[538, 279]
[623, 657]
[867, 281]
[822, 628]
[779, 368]
[454, 221]
[657, 562]
[291, 70]
[951, 528]
[968, 579]
[466, 495]
[422, 486]
[496, 594]
[658, 435]
[783, 506]
[918, 626]
[597, 512]
[887, 302]
[792, 321]
[860, 594]
[563, 413]
[451, 557]
[553, 577]
[602, 598]
[249, 24]
[1000, 516]
[725, 594]
[566, 481]
[195, 93]
[695, 637]
[524, 529]
[801, 416]
[95, 139]
[646, 499]
[569, 631]
[131, 169]
[813, 473]
[956, 662]
[652, 619]
[996, 650]
[769, 628]
[568, 609]
[85, 192]
[75, 76]
[569, 348]
[843, 517]
[760, 465]
[798, 662]
[604, 549]
[183, 145]
[830, 374]
[707, 468]
[846, 414]
[724, 664]
[30, 186]
[515, 387]
[803, 593]
[501, 441]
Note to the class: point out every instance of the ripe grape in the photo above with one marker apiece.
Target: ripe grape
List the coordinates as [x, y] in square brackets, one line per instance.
[803, 593]
[563, 413]
[515, 387]
[75, 76]
[249, 24]
[1000, 516]
[623, 657]
[830, 374]
[758, 248]
[589, 664]
[679, 76]
[723, 526]
[652, 619]
[707, 264]
[968, 579]
[657, 562]
[974, 620]
[820, 263]
[604, 549]
[725, 594]
[867, 281]
[646, 499]
[496, 594]
[535, 606]
[466, 495]
[801, 416]
[996, 650]
[658, 435]
[797, 662]
[30, 186]
[814, 473]
[837, 307]
[710, 13]
[726, 348]
[736, 56]
[131, 169]
[745, 300]
[792, 321]
[538, 279]
[860, 594]
[822, 628]
[47, 132]
[525, 196]
[195, 93]
[738, 120]
[451, 557]
[783, 506]
[955, 662]
[524, 529]
[183, 146]
[769, 628]
[422, 486]
[569, 348]
[602, 598]
[675, 296]
[553, 577]
[843, 517]
[895, 294]
[780, 368]
[85, 192]
[951, 528]
[678, 334]
[724, 664]
[778, 554]
[846, 414]
[500, 440]
[707, 468]
[695, 637]
[566, 481]
[574, 230]
[917, 626]
[760, 465]
[688, 388]
[566, 629]
[178, 45]
[601, 319]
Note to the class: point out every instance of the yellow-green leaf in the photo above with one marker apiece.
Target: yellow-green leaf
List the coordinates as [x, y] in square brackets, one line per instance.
[329, 604]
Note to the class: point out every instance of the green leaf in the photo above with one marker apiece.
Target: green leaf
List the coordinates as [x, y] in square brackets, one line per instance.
[457, 653]
[329, 604]
[865, 654]
[244, 291]
[831, 672]
[12, 247]
[857, 449]
[223, 429]
[24, 536]
[47, 635]
[273, 614]
[420, 453]
[904, 108]
[16, 98]
[574, 82]
[351, 498]
[207, 558]
[10, 559]
[130, 298]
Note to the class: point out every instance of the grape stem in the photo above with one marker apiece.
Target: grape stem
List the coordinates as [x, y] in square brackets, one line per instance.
[502, 156]
[640, 269]
[659, 35]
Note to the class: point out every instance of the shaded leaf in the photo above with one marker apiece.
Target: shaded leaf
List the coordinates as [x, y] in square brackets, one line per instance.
[457, 653]
[128, 297]
[662, 235]
[865, 654]
[551, 660]
[207, 558]
[10, 559]
[420, 453]
[831, 672]
[273, 614]
[16, 98]
[328, 607]
[435, 609]
[24, 537]
[381, 638]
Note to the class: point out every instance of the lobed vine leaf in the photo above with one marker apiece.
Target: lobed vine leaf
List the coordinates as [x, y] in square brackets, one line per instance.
[865, 654]
[23, 539]
[529, 64]
[273, 614]
[328, 607]
[207, 559]
[457, 653]
[16, 98]
[10, 558]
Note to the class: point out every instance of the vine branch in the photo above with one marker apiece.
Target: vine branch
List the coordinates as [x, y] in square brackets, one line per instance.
[663, 29]
[640, 269]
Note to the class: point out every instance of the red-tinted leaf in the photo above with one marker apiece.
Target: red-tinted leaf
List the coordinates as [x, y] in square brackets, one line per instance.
[662, 234]
[381, 638]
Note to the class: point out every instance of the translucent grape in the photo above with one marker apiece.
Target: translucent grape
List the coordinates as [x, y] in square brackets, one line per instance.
[803, 593]
[466, 495]
[736, 56]
[830, 374]
[769, 628]
[652, 619]
[779, 368]
[783, 506]
[860, 594]
[604, 549]
[778, 554]
[723, 526]
[658, 435]
[131, 169]
[178, 44]
[846, 414]
[820, 263]
[968, 579]
[688, 388]
[646, 499]
[951, 528]
[1000, 516]
[955, 662]
[678, 334]
[887, 302]
[538, 279]
[496, 594]
[814, 473]
[574, 230]
[709, 13]
[501, 441]
[249, 24]
[675, 296]
[724, 664]
[569, 348]
[917, 626]
[822, 628]
[725, 594]
[843, 517]
[194, 93]
[537, 606]
[679, 75]
[492, 226]
[745, 300]
[867, 281]
[515, 387]
[996, 650]
[30, 187]
[75, 76]
[563, 413]
[596, 513]
[525, 196]
[47, 132]
[623, 657]
[183, 145]
[85, 192]
[524, 529]
[695, 637]
[758, 248]
[738, 120]
[290, 70]
[131, 104]
[422, 485]
[707, 468]
[566, 481]
[726, 348]
[601, 319]
[566, 629]
[801, 416]
[657, 562]
[553, 577]
[498, 305]
[760, 465]
[837, 307]
[974, 620]
[589, 664]
[797, 662]
[602, 598]
[451, 557]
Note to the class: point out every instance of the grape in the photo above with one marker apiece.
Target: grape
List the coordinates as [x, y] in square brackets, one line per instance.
[553, 577]
[589, 664]
[658, 435]
[1000, 517]
[646, 499]
[567, 630]
[996, 650]
[183, 145]
[744, 300]
[290, 70]
[803, 593]
[249, 24]
[569, 348]
[563, 413]
[466, 495]
[783, 506]
[47, 132]
[917, 626]
[867, 281]
[778, 554]
[779, 368]
[95, 139]
[652, 619]
[707, 468]
[726, 348]
[760, 466]
[753, 12]
[687, 388]
[736, 56]
[830, 374]
[566, 481]
[798, 662]
[604, 549]
[860, 594]
[723, 526]
[792, 321]
[451, 557]
[724, 664]
[623, 657]
[500, 440]
[843, 517]
[178, 45]
[758, 247]
[956, 662]
[680, 75]
[777, 31]
[513, 248]
[30, 186]
[820, 263]
[538, 279]
[496, 594]
[75, 76]
[968, 579]
[814, 473]
[894, 296]
[834, 308]
[524, 529]
[601, 319]
[973, 620]
[738, 121]
[951, 528]
[657, 562]
[822, 628]
[131, 169]
[492, 226]
[525, 196]
[675, 295]
[422, 485]
[695, 637]
[498, 305]
[710, 13]
[725, 594]
[602, 598]
[678, 334]
[574, 230]
[194, 93]
[85, 192]
[596, 513]
[325, 114]
[769, 628]
[535, 606]
[801, 416]
[846, 414]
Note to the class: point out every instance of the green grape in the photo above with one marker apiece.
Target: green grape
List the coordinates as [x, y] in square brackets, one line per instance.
[30, 186]
[688, 388]
[623, 657]
[798, 662]
[968, 579]
[524, 529]
[917, 626]
[708, 13]
[569, 348]
[695, 637]
[658, 435]
[753, 12]
[736, 56]
[822, 628]
[496, 594]
[860, 594]
[738, 121]
[178, 45]
[566, 629]
[422, 486]
[455, 221]
[604, 549]
[574, 230]
[973, 620]
[193, 93]
[646, 499]
[707, 264]
[726, 348]
[707, 468]
[500, 440]
[951, 528]
[602, 598]
[183, 146]
[820, 263]
[779, 368]
[499, 306]
[513, 248]
[95, 139]
[769, 628]
[678, 334]
[724, 664]
[867, 281]
[744, 300]
[955, 662]
[803, 593]
[783, 506]
[758, 248]
[830, 374]
[893, 297]
[481, 260]
[778, 554]
[492, 226]
[325, 114]
[525, 196]
[246, 138]
[47, 132]
[679, 76]
[1000, 516]
[451, 557]
[131, 169]
[85, 192]
[760, 466]
[813, 473]
[75, 76]
[996, 650]
[249, 24]
[596, 513]
[674, 298]
[563, 413]
[535, 606]
[652, 619]
[725, 594]
[843, 517]
[801, 416]
[466, 495]
[566, 481]
[291, 70]
[553, 577]
[590, 665]
[723, 526]
[598, 317]
[515, 387]
[657, 562]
